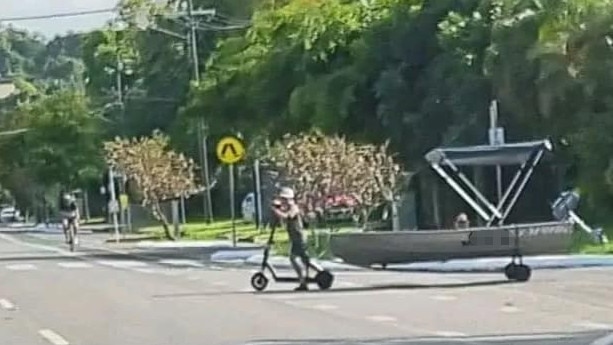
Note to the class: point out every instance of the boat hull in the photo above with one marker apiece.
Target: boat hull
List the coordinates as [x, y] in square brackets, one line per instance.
[368, 248]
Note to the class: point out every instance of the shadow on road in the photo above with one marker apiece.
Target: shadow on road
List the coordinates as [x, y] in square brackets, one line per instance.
[376, 287]
[90, 254]
[577, 338]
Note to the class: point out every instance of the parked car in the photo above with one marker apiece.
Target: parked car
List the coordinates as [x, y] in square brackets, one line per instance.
[248, 207]
[9, 215]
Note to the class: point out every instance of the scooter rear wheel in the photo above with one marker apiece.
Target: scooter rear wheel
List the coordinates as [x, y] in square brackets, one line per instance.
[259, 281]
[324, 279]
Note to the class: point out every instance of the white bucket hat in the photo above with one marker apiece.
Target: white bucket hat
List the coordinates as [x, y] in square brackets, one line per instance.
[286, 193]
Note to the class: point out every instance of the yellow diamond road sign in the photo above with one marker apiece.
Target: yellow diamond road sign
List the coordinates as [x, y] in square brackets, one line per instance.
[230, 150]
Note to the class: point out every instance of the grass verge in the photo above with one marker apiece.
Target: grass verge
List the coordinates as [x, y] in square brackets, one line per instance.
[317, 241]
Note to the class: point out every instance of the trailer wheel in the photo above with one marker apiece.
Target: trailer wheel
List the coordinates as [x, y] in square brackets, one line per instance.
[509, 271]
[520, 273]
[523, 273]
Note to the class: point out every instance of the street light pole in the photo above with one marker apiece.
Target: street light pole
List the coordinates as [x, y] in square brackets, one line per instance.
[208, 209]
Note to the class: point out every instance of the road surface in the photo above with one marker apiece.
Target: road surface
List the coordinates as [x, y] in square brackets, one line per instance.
[96, 297]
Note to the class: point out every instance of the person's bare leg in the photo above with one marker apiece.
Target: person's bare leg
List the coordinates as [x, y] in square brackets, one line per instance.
[65, 228]
[305, 262]
[296, 267]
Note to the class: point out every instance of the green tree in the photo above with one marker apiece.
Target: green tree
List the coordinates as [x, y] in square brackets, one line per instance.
[62, 144]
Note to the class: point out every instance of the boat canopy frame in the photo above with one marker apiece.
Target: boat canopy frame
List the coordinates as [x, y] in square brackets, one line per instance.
[447, 160]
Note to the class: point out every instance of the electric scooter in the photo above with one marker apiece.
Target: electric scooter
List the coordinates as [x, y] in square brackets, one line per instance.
[323, 278]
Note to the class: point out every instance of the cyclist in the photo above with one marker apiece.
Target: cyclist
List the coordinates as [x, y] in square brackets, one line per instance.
[69, 212]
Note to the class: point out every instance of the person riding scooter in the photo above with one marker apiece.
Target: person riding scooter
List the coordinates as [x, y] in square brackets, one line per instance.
[286, 210]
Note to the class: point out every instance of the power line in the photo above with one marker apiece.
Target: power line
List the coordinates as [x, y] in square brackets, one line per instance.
[58, 15]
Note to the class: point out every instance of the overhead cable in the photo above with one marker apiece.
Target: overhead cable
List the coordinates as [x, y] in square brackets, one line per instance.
[58, 15]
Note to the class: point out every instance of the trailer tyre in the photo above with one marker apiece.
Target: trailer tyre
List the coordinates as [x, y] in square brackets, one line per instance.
[324, 279]
[521, 273]
[509, 271]
[259, 281]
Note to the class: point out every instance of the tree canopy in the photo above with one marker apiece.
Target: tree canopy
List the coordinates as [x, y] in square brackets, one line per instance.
[416, 73]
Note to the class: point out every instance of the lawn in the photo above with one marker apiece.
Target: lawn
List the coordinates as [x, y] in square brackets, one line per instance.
[245, 232]
[203, 231]
[583, 244]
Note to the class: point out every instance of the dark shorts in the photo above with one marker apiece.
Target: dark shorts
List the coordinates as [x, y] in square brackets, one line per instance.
[297, 247]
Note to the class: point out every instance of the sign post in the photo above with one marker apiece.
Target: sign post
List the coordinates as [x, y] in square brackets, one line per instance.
[496, 136]
[231, 150]
[258, 194]
[113, 204]
[232, 202]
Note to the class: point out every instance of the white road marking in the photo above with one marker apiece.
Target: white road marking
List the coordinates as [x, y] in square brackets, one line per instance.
[509, 309]
[450, 334]
[347, 284]
[444, 298]
[220, 284]
[21, 267]
[381, 318]
[74, 265]
[53, 337]
[606, 340]
[122, 263]
[181, 262]
[594, 325]
[461, 337]
[520, 337]
[7, 305]
[290, 296]
[324, 307]
[145, 270]
[37, 246]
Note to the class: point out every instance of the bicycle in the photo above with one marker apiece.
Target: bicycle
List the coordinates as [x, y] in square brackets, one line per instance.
[72, 232]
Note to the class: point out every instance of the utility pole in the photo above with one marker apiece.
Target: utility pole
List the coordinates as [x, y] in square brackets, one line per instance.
[202, 128]
[122, 123]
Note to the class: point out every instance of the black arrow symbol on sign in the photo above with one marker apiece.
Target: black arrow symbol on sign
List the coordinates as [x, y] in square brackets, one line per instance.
[227, 147]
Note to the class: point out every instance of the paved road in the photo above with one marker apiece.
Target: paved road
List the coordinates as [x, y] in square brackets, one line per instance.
[48, 296]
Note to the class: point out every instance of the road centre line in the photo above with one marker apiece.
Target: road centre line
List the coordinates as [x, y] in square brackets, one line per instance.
[7, 305]
[74, 265]
[450, 334]
[509, 309]
[21, 267]
[444, 298]
[382, 318]
[122, 263]
[53, 337]
[181, 262]
[324, 307]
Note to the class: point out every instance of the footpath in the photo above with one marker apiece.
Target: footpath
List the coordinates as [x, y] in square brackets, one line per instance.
[251, 255]
[248, 254]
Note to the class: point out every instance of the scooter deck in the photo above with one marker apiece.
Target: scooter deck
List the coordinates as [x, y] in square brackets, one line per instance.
[293, 280]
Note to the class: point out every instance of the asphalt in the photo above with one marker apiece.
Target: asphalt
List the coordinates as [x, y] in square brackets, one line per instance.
[101, 297]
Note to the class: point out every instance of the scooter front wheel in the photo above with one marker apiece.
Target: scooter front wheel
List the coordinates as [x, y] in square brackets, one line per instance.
[324, 279]
[259, 281]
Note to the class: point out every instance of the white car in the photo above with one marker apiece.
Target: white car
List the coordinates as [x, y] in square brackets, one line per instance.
[248, 207]
[9, 215]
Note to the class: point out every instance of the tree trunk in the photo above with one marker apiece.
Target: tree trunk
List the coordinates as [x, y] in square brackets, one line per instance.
[159, 215]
